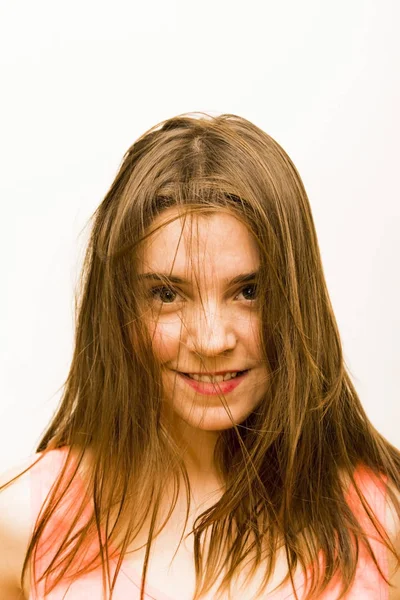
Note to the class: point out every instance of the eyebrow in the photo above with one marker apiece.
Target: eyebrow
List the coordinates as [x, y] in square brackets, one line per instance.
[241, 278]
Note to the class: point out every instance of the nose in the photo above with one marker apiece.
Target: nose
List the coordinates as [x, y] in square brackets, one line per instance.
[210, 333]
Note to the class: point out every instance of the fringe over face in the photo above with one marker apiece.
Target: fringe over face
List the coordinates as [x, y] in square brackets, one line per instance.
[283, 465]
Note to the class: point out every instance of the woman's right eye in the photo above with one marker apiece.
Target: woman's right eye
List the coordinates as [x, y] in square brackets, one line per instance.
[165, 294]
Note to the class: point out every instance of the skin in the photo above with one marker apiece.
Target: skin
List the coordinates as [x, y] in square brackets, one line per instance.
[222, 331]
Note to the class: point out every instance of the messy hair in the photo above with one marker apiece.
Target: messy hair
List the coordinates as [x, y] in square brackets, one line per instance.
[283, 465]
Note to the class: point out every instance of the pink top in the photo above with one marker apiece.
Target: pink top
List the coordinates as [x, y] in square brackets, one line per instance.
[368, 584]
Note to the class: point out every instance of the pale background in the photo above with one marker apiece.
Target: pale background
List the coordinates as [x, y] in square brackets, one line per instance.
[81, 80]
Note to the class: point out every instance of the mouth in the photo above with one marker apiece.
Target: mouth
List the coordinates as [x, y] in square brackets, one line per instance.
[218, 384]
[216, 378]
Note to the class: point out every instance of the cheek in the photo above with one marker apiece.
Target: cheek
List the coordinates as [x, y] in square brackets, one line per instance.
[165, 338]
[249, 332]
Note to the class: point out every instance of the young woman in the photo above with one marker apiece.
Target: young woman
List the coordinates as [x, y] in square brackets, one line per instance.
[209, 442]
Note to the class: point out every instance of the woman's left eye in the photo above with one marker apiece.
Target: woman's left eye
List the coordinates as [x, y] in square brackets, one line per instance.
[165, 294]
[253, 291]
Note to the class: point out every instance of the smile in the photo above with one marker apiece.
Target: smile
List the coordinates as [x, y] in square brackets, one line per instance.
[213, 378]
[214, 385]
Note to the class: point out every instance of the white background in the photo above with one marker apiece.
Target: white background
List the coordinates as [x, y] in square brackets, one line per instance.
[81, 80]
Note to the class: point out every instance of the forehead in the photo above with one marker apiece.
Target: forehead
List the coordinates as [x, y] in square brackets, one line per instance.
[217, 242]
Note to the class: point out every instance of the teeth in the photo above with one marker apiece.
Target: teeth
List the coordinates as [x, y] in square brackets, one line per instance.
[215, 378]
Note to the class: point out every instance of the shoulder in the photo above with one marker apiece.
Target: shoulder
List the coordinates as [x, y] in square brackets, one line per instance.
[379, 493]
[15, 524]
[15, 495]
[26, 485]
[393, 530]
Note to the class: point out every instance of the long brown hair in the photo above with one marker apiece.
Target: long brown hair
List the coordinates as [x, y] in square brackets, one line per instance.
[282, 465]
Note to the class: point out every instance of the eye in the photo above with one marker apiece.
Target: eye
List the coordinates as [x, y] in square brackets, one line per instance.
[163, 293]
[252, 288]
[167, 295]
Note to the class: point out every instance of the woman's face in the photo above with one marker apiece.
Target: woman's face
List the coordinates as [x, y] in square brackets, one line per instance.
[214, 328]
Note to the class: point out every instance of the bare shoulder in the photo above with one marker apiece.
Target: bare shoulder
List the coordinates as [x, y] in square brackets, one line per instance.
[15, 527]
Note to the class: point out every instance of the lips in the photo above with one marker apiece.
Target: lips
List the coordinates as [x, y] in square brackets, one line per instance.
[208, 372]
[222, 376]
[210, 388]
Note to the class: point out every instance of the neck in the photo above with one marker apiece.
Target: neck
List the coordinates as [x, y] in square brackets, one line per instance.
[197, 447]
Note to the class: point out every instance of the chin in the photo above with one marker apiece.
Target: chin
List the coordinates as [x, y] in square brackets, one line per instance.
[211, 418]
